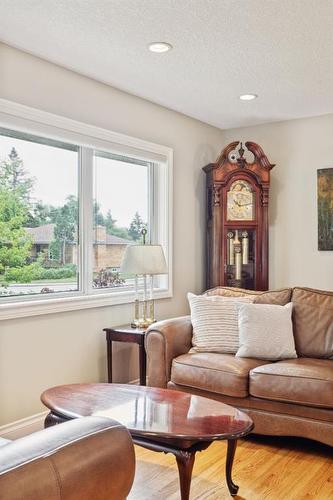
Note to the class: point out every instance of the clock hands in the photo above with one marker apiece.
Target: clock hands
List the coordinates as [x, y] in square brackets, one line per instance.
[239, 204]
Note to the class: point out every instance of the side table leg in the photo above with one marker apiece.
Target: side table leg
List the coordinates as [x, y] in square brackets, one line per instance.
[142, 363]
[52, 419]
[233, 488]
[185, 462]
[109, 356]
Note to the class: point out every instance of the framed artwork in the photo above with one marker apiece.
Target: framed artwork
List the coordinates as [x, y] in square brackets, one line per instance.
[325, 208]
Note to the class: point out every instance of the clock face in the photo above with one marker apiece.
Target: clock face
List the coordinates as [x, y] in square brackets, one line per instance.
[240, 201]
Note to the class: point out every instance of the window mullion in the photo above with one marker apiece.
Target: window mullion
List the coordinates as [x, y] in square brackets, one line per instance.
[152, 205]
[86, 219]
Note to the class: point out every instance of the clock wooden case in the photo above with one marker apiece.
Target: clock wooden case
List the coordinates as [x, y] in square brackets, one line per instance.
[237, 218]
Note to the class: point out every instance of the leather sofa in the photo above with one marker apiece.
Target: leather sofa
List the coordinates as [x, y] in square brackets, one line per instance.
[82, 459]
[291, 397]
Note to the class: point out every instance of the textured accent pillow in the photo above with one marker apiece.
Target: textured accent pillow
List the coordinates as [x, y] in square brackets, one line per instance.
[313, 322]
[215, 323]
[265, 331]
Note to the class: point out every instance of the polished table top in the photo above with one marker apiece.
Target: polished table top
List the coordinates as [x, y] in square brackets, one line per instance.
[149, 411]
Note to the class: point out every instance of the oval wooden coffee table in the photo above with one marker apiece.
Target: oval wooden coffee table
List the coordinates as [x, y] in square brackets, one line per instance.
[162, 420]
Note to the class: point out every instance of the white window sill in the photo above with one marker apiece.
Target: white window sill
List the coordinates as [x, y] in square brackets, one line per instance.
[37, 307]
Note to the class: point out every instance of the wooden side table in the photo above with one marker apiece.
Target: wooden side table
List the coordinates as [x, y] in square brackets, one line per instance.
[125, 333]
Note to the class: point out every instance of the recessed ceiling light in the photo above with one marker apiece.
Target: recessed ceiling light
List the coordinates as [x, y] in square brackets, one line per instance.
[248, 97]
[159, 47]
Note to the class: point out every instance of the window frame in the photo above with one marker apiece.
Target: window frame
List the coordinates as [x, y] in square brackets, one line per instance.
[89, 138]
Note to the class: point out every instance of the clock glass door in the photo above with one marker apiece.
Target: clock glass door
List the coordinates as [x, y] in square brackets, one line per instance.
[240, 266]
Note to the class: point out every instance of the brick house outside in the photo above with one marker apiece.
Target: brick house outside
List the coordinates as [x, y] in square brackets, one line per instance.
[108, 249]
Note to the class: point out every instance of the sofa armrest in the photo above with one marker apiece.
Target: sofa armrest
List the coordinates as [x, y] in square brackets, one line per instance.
[85, 458]
[164, 341]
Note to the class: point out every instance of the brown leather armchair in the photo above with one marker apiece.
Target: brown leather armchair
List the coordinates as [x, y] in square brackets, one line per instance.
[83, 459]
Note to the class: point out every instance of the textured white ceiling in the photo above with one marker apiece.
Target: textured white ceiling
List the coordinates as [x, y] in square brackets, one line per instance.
[281, 50]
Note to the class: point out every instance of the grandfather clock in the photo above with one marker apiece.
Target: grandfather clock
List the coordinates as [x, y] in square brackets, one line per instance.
[237, 218]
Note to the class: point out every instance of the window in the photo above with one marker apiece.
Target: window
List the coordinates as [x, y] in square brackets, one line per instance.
[38, 215]
[122, 191]
[70, 203]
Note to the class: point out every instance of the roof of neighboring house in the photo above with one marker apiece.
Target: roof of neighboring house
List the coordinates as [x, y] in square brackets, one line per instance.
[116, 240]
[43, 235]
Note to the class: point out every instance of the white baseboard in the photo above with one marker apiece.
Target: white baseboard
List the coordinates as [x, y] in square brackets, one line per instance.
[23, 427]
[28, 425]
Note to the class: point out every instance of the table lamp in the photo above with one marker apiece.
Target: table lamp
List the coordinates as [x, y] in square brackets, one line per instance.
[146, 261]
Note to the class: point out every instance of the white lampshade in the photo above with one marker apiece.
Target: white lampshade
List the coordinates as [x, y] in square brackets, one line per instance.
[144, 259]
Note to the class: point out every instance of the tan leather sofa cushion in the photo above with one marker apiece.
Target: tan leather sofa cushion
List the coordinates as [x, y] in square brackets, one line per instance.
[214, 372]
[279, 297]
[313, 322]
[302, 381]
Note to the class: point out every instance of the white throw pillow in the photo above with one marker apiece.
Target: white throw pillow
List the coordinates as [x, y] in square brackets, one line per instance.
[265, 331]
[215, 322]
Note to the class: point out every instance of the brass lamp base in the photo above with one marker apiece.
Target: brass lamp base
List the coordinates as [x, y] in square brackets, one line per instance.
[144, 321]
[141, 323]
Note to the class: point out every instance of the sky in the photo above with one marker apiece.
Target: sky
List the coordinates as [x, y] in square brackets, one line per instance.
[118, 186]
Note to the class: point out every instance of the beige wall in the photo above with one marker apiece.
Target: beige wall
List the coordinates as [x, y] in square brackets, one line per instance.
[38, 352]
[298, 148]
[42, 351]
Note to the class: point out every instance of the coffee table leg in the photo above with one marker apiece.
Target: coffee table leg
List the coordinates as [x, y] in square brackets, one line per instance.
[185, 462]
[233, 488]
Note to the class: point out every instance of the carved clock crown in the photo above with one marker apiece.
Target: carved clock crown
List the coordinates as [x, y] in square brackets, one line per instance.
[259, 156]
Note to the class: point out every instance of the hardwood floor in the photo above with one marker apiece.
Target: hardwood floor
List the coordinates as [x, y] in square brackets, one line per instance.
[264, 468]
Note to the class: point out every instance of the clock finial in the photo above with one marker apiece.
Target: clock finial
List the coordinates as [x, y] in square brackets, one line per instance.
[241, 161]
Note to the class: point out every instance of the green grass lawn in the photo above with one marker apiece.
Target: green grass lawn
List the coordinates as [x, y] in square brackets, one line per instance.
[73, 279]
[41, 282]
[59, 280]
